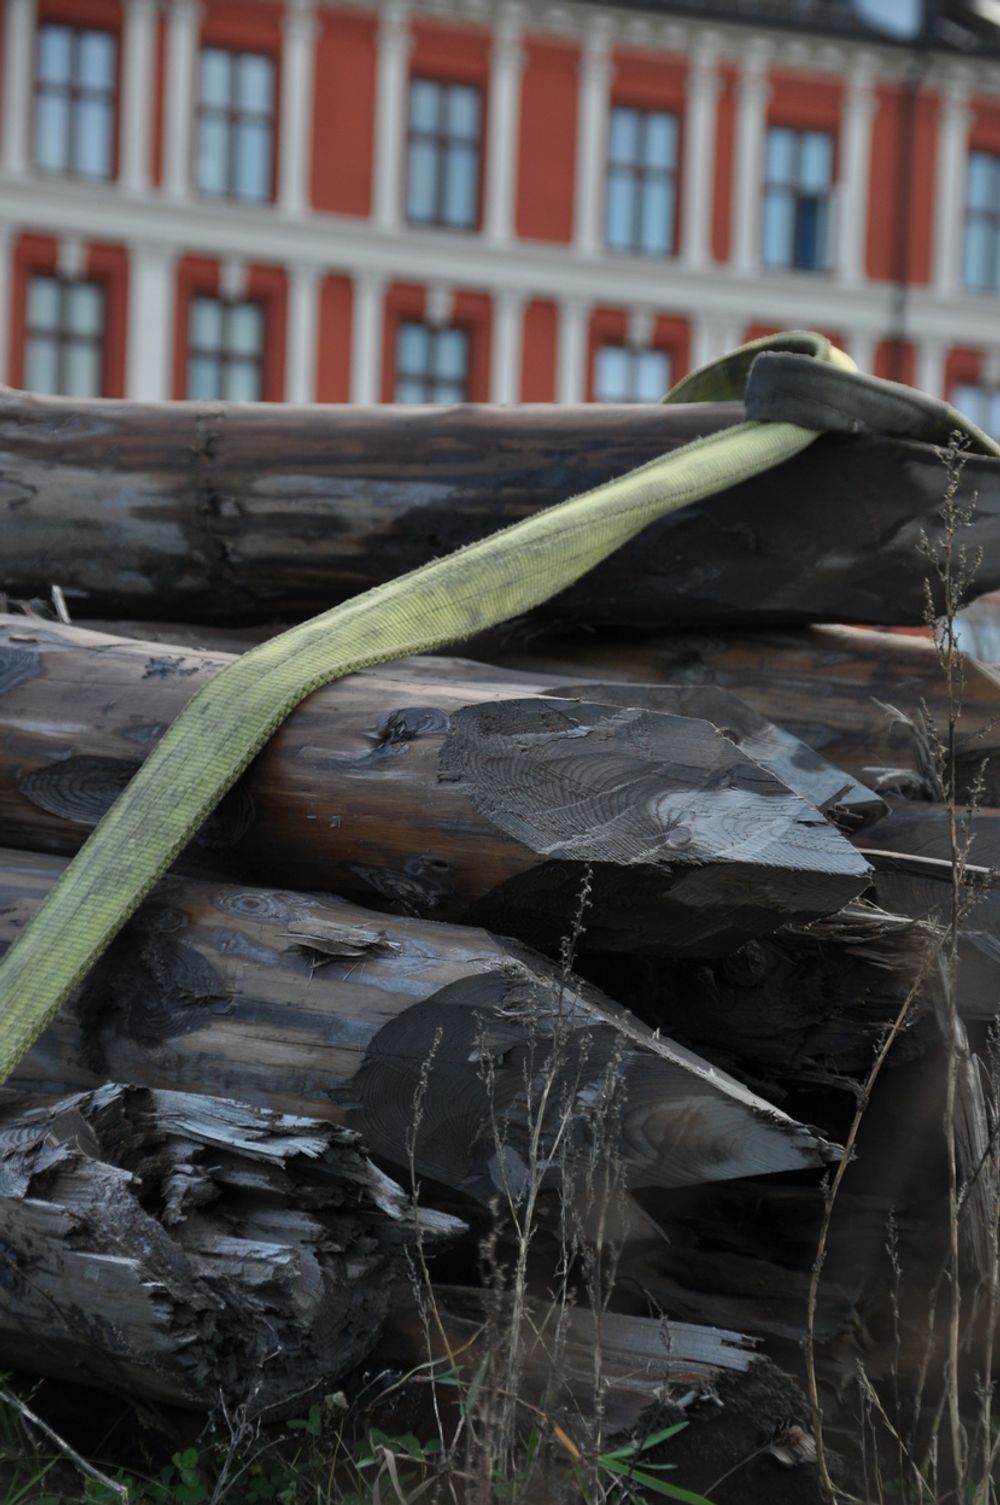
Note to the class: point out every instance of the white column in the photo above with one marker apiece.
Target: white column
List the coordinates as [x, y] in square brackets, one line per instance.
[505, 356]
[853, 178]
[699, 151]
[6, 293]
[149, 345]
[295, 136]
[861, 348]
[751, 123]
[712, 334]
[596, 69]
[138, 55]
[366, 338]
[931, 353]
[952, 165]
[506, 63]
[391, 105]
[303, 333]
[18, 73]
[183, 19]
[571, 354]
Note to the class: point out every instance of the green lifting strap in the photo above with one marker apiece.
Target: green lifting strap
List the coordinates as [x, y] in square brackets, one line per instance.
[226, 723]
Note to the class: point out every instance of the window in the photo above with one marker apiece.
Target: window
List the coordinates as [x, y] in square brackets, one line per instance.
[75, 101]
[642, 181]
[981, 404]
[982, 223]
[225, 350]
[442, 185]
[797, 198]
[624, 374]
[432, 365]
[235, 125]
[64, 337]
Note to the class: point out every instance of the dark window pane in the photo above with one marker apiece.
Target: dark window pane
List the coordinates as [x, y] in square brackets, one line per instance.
[421, 185]
[84, 308]
[780, 156]
[612, 383]
[424, 97]
[206, 323]
[656, 227]
[246, 329]
[779, 227]
[661, 140]
[55, 47]
[215, 70]
[460, 186]
[620, 209]
[652, 375]
[52, 131]
[982, 223]
[41, 365]
[204, 378]
[242, 381]
[816, 162]
[412, 355]
[81, 370]
[624, 135]
[982, 180]
[212, 172]
[253, 160]
[92, 142]
[255, 90]
[450, 358]
[410, 389]
[463, 112]
[97, 60]
[43, 303]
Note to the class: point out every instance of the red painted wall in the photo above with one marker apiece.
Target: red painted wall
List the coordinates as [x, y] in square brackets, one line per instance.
[538, 352]
[333, 375]
[343, 136]
[266, 285]
[725, 137]
[902, 167]
[547, 143]
[896, 360]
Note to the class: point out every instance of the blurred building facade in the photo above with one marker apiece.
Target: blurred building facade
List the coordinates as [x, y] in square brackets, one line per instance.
[439, 200]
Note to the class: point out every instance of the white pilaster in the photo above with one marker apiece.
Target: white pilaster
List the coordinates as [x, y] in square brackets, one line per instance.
[505, 349]
[6, 293]
[748, 172]
[571, 353]
[931, 355]
[853, 178]
[295, 136]
[366, 338]
[138, 56]
[506, 63]
[596, 70]
[149, 348]
[712, 334]
[183, 18]
[18, 72]
[303, 332]
[699, 151]
[952, 165]
[391, 105]
[861, 348]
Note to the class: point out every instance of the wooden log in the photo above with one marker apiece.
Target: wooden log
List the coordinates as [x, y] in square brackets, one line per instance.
[180, 1247]
[220, 513]
[828, 685]
[455, 801]
[846, 801]
[313, 1006]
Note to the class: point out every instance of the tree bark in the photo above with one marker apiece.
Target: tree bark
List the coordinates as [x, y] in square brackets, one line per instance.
[438, 799]
[225, 513]
[312, 1006]
[830, 686]
[179, 1247]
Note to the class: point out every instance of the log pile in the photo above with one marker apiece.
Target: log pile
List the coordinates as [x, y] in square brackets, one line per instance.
[675, 885]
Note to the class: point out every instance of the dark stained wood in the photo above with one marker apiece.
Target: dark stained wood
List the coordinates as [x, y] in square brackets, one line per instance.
[921, 829]
[827, 685]
[219, 512]
[450, 800]
[312, 1006]
[178, 1247]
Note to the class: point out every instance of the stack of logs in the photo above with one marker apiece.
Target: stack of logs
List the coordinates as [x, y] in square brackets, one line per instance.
[670, 850]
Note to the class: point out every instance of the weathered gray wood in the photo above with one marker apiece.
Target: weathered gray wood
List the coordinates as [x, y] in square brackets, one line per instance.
[830, 686]
[455, 801]
[182, 1248]
[220, 512]
[313, 1006]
